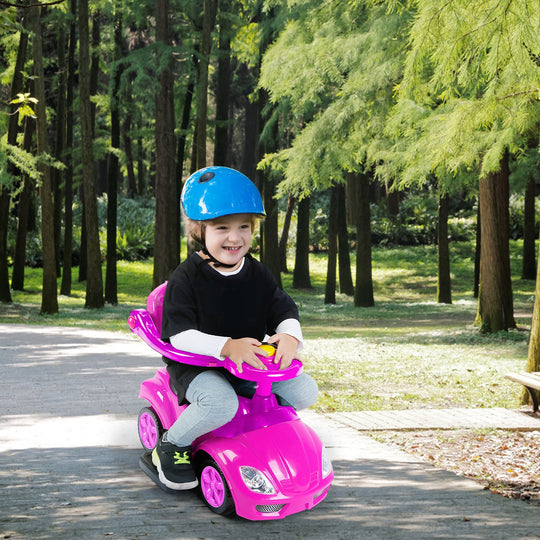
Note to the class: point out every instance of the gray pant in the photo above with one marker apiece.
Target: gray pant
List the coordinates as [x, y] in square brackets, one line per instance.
[213, 402]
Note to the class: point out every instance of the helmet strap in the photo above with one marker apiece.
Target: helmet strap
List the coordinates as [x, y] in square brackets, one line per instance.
[204, 249]
[215, 262]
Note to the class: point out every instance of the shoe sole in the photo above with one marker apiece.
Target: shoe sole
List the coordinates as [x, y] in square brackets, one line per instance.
[171, 485]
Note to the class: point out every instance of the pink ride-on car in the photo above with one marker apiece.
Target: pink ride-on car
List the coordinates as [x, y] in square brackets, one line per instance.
[264, 464]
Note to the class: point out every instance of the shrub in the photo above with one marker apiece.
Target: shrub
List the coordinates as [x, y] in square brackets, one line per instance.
[134, 235]
[134, 244]
[416, 222]
[135, 227]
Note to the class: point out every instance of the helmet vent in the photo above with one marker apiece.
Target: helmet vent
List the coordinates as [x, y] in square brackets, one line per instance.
[206, 177]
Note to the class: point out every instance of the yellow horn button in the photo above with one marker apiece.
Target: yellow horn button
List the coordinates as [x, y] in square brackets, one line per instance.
[271, 351]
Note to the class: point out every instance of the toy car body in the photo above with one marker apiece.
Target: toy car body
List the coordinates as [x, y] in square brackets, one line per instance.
[265, 463]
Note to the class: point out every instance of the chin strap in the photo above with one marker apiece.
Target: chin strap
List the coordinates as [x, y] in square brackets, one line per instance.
[211, 258]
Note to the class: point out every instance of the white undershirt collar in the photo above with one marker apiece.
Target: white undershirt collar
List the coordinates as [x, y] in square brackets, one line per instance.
[234, 272]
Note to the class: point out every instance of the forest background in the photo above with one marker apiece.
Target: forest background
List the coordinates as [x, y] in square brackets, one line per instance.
[362, 123]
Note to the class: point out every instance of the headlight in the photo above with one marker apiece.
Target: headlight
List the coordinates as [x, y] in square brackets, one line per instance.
[256, 480]
[326, 463]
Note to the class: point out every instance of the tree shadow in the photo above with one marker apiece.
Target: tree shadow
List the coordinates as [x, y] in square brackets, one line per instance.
[96, 492]
[72, 372]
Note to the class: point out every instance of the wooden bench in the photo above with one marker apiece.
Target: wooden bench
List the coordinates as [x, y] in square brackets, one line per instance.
[531, 381]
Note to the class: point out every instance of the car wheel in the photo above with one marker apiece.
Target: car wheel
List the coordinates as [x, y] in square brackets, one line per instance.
[150, 429]
[214, 488]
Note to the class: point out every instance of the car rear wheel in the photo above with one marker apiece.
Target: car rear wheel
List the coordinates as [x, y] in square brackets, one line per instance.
[150, 429]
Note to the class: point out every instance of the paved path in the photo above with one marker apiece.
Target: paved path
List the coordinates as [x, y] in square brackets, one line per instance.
[69, 452]
[496, 418]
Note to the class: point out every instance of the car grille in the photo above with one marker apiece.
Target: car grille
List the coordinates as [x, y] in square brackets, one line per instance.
[268, 508]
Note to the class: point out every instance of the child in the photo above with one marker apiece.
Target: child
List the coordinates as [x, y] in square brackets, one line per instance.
[222, 302]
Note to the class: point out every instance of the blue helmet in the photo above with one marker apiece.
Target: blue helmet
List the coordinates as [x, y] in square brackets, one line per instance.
[214, 192]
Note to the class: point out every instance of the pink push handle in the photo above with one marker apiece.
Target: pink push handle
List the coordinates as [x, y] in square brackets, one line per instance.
[141, 323]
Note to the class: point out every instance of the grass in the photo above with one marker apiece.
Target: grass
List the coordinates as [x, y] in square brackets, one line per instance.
[134, 285]
[405, 352]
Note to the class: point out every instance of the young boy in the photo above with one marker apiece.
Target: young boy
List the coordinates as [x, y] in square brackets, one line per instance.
[222, 302]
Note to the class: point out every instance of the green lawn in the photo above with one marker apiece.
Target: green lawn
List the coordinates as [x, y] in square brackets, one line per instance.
[406, 352]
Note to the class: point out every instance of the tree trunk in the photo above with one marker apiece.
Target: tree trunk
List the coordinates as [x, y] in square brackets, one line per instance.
[83, 249]
[533, 358]
[128, 148]
[392, 200]
[528, 270]
[141, 177]
[209, 20]
[251, 135]
[346, 285]
[477, 250]
[181, 142]
[363, 294]
[5, 195]
[495, 303]
[330, 288]
[444, 287]
[94, 278]
[93, 73]
[17, 279]
[19, 260]
[94, 85]
[60, 143]
[65, 287]
[270, 244]
[221, 145]
[267, 182]
[285, 234]
[184, 125]
[166, 243]
[301, 278]
[111, 281]
[49, 298]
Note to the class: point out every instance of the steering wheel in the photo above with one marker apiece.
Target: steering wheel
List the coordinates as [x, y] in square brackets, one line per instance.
[272, 372]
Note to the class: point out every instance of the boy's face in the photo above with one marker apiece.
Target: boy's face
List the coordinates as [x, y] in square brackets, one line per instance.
[228, 238]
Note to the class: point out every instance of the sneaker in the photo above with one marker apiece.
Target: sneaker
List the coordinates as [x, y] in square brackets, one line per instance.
[174, 465]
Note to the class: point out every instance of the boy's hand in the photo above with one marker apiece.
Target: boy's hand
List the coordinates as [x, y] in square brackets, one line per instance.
[286, 349]
[244, 350]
